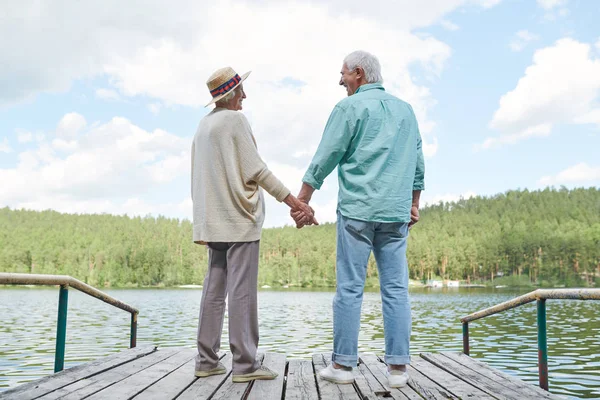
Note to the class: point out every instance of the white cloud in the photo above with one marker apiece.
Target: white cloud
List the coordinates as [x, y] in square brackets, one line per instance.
[173, 47]
[449, 25]
[107, 94]
[5, 147]
[561, 86]
[154, 108]
[96, 169]
[522, 39]
[24, 136]
[554, 9]
[579, 173]
[99, 33]
[168, 71]
[488, 3]
[70, 125]
[550, 4]
[429, 149]
[541, 130]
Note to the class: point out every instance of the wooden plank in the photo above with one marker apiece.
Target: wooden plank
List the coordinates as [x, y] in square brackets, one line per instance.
[272, 389]
[134, 384]
[427, 388]
[87, 387]
[377, 368]
[486, 382]
[368, 386]
[231, 390]
[519, 388]
[173, 384]
[61, 379]
[204, 388]
[449, 381]
[329, 390]
[301, 382]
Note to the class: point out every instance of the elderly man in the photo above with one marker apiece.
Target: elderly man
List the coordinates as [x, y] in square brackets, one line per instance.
[227, 177]
[373, 139]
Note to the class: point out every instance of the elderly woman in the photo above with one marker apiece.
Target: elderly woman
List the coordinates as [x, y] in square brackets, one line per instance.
[227, 177]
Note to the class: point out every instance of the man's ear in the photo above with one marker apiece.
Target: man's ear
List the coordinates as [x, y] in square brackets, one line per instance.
[360, 73]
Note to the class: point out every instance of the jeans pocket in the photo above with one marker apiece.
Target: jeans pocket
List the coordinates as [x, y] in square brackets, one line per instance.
[400, 228]
[356, 226]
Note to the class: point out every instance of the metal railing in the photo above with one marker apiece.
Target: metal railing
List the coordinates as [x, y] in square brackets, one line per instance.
[540, 295]
[65, 282]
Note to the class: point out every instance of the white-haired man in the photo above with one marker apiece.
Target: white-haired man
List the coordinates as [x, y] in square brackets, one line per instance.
[227, 177]
[373, 139]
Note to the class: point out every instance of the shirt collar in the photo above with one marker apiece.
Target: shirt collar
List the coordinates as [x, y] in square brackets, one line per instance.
[369, 86]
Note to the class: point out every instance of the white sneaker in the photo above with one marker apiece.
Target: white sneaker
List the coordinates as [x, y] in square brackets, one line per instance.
[339, 376]
[397, 378]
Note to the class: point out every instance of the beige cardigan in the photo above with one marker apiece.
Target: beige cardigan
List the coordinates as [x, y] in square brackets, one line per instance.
[227, 176]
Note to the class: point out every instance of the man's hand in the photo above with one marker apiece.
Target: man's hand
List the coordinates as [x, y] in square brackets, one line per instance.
[414, 216]
[303, 215]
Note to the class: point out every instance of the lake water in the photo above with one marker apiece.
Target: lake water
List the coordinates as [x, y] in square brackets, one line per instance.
[298, 323]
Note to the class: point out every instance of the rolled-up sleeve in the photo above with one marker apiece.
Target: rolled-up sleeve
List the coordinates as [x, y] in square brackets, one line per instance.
[419, 182]
[334, 144]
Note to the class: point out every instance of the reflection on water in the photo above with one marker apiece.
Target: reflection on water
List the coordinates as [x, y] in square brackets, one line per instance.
[298, 323]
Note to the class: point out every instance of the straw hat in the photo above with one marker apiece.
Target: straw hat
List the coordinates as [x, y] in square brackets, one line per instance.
[222, 82]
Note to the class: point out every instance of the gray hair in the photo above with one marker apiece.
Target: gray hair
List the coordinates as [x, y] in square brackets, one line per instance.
[229, 95]
[368, 62]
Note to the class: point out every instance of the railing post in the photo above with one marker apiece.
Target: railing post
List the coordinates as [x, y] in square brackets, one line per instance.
[466, 338]
[61, 328]
[542, 344]
[133, 338]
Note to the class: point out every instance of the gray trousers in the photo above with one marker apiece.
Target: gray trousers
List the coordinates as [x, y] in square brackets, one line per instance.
[233, 272]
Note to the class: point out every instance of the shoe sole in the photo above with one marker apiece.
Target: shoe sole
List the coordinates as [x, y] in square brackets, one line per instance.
[204, 374]
[338, 381]
[254, 378]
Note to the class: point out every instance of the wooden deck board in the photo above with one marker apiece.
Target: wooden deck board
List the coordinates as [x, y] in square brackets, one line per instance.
[147, 373]
[89, 386]
[270, 389]
[368, 385]
[173, 384]
[377, 368]
[515, 384]
[448, 381]
[428, 388]
[134, 384]
[231, 390]
[329, 390]
[301, 382]
[204, 388]
[37, 388]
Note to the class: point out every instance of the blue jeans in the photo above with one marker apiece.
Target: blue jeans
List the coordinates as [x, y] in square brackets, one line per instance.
[355, 241]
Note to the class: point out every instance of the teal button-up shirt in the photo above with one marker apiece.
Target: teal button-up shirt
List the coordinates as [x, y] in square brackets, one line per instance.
[374, 140]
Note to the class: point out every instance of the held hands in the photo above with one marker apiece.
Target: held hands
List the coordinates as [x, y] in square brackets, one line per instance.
[300, 211]
[303, 215]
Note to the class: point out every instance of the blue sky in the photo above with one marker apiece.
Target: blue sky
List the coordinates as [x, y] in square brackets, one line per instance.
[97, 115]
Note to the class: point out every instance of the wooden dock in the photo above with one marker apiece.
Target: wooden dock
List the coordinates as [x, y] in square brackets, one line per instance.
[151, 373]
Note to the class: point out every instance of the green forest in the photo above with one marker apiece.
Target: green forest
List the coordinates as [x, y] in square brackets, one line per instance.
[546, 238]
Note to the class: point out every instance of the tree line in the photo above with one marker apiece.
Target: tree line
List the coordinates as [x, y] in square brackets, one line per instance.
[549, 237]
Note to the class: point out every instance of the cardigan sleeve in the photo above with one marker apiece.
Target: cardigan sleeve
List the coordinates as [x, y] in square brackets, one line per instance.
[252, 166]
